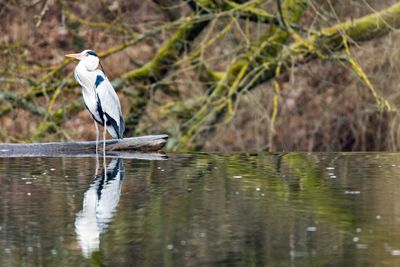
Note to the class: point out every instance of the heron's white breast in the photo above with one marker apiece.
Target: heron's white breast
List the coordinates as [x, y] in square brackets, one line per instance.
[87, 80]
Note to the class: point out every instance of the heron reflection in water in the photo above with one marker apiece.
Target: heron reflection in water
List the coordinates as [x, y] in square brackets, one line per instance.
[99, 204]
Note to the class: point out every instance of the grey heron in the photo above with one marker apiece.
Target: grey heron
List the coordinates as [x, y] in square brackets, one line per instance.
[99, 95]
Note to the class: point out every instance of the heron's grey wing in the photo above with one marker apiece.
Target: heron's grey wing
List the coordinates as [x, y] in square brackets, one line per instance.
[110, 105]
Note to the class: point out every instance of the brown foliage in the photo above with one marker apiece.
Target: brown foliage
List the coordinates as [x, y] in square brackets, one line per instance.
[323, 105]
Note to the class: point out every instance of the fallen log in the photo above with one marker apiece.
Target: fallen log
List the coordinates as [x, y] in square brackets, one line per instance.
[114, 154]
[148, 143]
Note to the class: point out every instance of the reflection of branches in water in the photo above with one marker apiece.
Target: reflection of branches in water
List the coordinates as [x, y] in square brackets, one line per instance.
[99, 204]
[221, 192]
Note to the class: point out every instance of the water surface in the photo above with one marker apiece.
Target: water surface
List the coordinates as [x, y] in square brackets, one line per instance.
[290, 209]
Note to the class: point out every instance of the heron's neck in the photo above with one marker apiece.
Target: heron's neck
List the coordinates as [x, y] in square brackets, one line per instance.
[82, 69]
[85, 77]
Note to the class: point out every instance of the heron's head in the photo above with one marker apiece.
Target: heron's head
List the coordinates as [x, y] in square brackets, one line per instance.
[88, 58]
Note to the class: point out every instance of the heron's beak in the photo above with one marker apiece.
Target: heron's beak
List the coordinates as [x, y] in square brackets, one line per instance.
[77, 56]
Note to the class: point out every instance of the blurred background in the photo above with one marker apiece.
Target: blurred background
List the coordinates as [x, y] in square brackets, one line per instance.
[214, 75]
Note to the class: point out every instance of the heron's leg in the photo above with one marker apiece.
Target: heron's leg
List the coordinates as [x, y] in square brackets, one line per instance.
[97, 146]
[97, 135]
[104, 137]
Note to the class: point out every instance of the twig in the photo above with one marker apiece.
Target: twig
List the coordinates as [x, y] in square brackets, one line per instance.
[42, 13]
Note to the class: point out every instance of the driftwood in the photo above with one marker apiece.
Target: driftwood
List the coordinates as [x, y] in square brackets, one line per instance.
[149, 143]
[114, 154]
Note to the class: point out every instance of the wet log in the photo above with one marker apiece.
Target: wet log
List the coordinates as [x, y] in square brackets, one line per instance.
[148, 143]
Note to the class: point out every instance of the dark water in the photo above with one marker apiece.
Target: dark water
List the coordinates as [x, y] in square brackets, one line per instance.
[202, 210]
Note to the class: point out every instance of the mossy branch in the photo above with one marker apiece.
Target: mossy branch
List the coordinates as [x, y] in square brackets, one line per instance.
[97, 24]
[324, 42]
[249, 11]
[158, 67]
[381, 102]
[230, 84]
[167, 54]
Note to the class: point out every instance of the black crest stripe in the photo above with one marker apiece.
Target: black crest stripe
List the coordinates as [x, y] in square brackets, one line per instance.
[92, 53]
